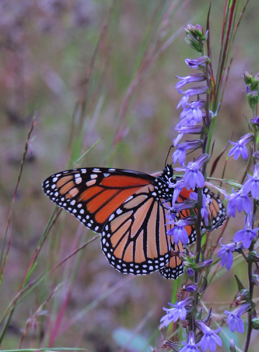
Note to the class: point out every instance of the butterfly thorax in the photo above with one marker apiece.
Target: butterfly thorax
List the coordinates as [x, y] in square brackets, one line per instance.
[162, 183]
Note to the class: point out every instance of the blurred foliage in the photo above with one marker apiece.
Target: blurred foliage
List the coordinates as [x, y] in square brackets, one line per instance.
[47, 66]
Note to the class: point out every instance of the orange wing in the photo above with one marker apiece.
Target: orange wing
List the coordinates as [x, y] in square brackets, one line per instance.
[93, 194]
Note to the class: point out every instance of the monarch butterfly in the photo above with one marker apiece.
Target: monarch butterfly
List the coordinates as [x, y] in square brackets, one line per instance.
[128, 209]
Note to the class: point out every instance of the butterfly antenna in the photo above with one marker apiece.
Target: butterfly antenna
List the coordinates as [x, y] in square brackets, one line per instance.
[168, 154]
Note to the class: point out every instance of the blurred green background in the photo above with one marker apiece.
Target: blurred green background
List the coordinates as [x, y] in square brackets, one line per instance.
[122, 92]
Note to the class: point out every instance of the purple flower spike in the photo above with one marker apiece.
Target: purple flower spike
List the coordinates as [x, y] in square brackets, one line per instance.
[252, 185]
[234, 319]
[193, 176]
[247, 234]
[197, 63]
[225, 253]
[240, 147]
[240, 201]
[194, 91]
[210, 339]
[178, 231]
[191, 346]
[173, 314]
[199, 77]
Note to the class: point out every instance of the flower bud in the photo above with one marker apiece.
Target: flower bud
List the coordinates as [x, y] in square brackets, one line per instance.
[255, 279]
[175, 346]
[190, 288]
[255, 83]
[194, 43]
[248, 78]
[196, 31]
[204, 264]
[232, 346]
[252, 98]
[255, 323]
[253, 257]
[243, 295]
[190, 272]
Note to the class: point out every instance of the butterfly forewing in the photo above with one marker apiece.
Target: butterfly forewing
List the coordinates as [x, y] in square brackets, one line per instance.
[93, 194]
[134, 239]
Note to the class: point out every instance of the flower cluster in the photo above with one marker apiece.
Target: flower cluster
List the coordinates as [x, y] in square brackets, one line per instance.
[192, 119]
[196, 119]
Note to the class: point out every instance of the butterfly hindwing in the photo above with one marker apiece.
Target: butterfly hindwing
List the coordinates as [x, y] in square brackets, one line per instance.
[217, 211]
[93, 194]
[134, 238]
[174, 267]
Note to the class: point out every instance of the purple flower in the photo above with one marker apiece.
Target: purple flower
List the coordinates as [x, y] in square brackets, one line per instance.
[191, 346]
[177, 139]
[190, 288]
[255, 120]
[247, 234]
[180, 153]
[240, 147]
[225, 253]
[240, 201]
[197, 63]
[178, 186]
[173, 314]
[189, 129]
[207, 262]
[234, 318]
[194, 91]
[205, 206]
[188, 79]
[193, 108]
[210, 339]
[187, 204]
[178, 231]
[193, 176]
[252, 185]
[191, 119]
[183, 101]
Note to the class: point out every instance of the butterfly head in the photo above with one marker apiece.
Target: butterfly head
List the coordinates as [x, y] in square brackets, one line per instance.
[163, 183]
